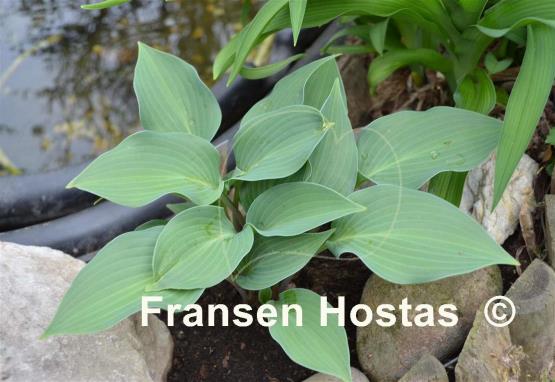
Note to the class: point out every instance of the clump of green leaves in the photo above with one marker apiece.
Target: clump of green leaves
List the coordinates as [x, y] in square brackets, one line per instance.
[291, 196]
[449, 36]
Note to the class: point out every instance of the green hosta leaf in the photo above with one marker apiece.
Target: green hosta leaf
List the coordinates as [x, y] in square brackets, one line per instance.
[409, 147]
[253, 32]
[104, 4]
[476, 92]
[382, 67]
[493, 65]
[290, 209]
[172, 96]
[309, 85]
[149, 164]
[273, 259]
[249, 191]
[268, 70]
[510, 14]
[296, 12]
[301, 342]
[407, 236]
[111, 286]
[278, 143]
[198, 248]
[526, 103]
[334, 161]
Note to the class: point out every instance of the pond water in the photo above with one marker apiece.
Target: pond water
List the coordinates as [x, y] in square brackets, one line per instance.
[66, 73]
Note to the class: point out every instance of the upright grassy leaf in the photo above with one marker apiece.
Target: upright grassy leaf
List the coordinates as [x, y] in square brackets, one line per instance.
[277, 144]
[268, 70]
[510, 14]
[526, 103]
[273, 259]
[334, 161]
[408, 236]
[448, 186]
[149, 164]
[301, 342]
[172, 97]
[252, 33]
[408, 148]
[198, 248]
[296, 12]
[382, 67]
[493, 65]
[476, 92]
[111, 286]
[290, 209]
[378, 33]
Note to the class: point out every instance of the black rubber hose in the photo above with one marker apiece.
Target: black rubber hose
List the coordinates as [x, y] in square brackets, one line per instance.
[30, 199]
[88, 230]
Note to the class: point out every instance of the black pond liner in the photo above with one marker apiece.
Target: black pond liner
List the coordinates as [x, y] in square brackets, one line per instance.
[63, 219]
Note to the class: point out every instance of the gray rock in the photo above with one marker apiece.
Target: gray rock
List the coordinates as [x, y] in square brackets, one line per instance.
[533, 328]
[387, 353]
[428, 369]
[517, 200]
[32, 284]
[550, 228]
[357, 377]
[488, 354]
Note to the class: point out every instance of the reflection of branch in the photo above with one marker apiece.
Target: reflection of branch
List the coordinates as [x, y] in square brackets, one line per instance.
[7, 164]
[43, 44]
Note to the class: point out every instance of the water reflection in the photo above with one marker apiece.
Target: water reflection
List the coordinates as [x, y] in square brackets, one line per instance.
[66, 74]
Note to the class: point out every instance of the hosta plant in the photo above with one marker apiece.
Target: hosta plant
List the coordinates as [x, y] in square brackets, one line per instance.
[466, 40]
[301, 185]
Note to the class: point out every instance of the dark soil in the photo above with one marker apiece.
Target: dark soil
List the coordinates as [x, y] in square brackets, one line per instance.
[249, 354]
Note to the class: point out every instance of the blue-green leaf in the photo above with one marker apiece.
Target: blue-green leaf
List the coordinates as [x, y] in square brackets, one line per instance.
[312, 345]
[334, 162]
[111, 286]
[198, 248]
[408, 148]
[149, 164]
[290, 209]
[408, 236]
[273, 259]
[278, 143]
[172, 97]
